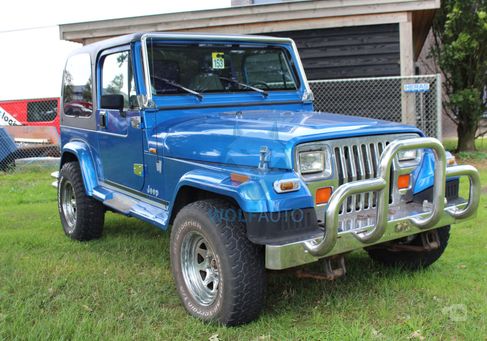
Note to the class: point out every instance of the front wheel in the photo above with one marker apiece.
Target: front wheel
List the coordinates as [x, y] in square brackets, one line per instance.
[219, 273]
[410, 254]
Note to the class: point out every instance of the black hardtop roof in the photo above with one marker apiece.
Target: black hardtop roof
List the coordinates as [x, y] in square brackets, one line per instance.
[94, 48]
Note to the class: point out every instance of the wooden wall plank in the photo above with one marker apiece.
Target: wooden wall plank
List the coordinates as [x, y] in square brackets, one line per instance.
[349, 52]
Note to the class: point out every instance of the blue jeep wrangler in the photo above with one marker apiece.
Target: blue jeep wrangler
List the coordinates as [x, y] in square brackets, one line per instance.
[215, 136]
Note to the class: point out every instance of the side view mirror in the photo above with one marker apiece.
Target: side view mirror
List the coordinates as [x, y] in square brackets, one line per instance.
[114, 102]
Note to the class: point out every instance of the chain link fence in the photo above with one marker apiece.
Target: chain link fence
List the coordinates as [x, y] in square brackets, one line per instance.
[28, 134]
[414, 100]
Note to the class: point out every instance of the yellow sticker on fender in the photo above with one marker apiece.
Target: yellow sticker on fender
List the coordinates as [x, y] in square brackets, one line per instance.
[218, 60]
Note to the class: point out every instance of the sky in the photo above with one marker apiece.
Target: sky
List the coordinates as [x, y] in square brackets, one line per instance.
[32, 56]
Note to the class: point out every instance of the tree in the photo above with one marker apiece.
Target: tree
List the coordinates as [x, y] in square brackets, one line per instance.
[87, 92]
[460, 51]
[68, 87]
[116, 85]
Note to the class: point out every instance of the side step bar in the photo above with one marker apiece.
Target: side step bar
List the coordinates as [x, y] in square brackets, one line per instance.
[144, 209]
[125, 204]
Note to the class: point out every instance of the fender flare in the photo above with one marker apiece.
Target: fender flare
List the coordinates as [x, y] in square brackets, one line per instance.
[255, 195]
[82, 152]
[250, 196]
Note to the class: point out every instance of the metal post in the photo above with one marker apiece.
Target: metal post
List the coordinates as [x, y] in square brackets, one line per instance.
[439, 107]
[421, 110]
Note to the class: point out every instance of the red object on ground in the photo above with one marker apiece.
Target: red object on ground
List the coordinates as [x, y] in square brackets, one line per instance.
[30, 112]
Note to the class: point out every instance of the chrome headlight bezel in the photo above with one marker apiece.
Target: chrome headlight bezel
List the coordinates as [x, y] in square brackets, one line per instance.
[410, 158]
[325, 171]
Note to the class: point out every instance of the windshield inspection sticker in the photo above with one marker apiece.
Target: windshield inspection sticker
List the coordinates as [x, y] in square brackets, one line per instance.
[7, 120]
[218, 60]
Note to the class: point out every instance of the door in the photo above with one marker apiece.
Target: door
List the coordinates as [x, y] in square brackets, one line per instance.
[120, 137]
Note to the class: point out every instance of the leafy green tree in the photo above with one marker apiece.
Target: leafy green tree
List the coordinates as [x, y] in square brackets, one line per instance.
[68, 87]
[87, 92]
[116, 85]
[460, 51]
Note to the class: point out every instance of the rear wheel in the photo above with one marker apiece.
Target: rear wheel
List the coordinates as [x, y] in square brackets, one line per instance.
[82, 216]
[219, 273]
[409, 253]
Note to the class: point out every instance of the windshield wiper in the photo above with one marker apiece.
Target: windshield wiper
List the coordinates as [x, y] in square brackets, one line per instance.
[179, 86]
[262, 92]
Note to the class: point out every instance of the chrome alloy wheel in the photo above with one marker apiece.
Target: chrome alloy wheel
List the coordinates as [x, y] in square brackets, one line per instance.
[68, 204]
[200, 268]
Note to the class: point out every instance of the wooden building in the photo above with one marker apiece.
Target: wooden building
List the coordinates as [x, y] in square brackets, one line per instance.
[336, 38]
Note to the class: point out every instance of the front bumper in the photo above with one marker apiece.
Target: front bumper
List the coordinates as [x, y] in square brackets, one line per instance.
[388, 223]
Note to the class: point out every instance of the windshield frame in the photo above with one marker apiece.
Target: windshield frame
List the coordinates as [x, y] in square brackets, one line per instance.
[302, 86]
[280, 73]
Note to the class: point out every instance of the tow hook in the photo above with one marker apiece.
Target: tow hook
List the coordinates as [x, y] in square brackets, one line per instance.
[334, 268]
[430, 241]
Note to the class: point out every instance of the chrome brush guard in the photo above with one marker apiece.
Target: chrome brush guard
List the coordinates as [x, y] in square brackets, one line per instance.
[384, 229]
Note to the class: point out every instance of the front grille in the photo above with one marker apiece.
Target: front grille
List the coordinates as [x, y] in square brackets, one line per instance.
[358, 159]
[357, 162]
[353, 159]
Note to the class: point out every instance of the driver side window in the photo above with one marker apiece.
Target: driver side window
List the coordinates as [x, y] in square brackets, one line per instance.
[118, 79]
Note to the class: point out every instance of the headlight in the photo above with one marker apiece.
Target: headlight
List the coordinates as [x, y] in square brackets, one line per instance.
[407, 155]
[311, 162]
[409, 158]
[450, 159]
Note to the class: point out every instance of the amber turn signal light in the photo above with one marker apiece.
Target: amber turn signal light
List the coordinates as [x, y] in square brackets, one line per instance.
[403, 181]
[323, 195]
[239, 178]
[288, 185]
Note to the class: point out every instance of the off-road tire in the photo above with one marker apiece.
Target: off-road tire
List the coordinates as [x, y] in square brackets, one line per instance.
[408, 259]
[240, 263]
[89, 213]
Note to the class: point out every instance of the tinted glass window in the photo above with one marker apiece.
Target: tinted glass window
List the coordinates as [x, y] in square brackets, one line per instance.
[219, 68]
[41, 111]
[269, 68]
[117, 77]
[77, 89]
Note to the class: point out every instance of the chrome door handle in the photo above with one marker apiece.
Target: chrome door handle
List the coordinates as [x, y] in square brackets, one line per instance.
[103, 119]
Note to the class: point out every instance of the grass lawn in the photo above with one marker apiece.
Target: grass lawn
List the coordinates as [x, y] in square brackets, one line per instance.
[120, 287]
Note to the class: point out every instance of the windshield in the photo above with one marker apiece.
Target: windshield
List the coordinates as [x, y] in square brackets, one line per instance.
[204, 68]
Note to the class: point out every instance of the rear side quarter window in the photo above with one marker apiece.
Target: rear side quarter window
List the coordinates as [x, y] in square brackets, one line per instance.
[77, 87]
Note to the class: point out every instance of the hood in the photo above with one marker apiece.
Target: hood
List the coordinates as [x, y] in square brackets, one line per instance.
[236, 138]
